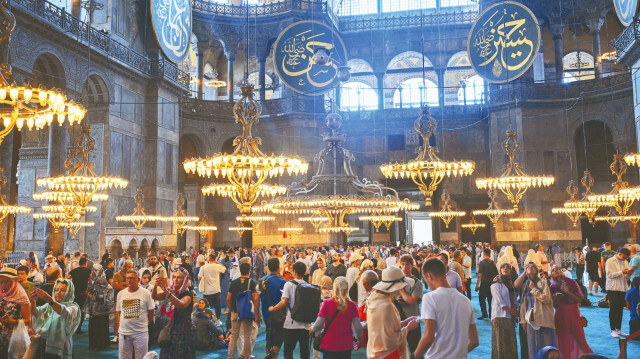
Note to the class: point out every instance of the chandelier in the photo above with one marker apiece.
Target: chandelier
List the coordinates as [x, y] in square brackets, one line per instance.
[493, 211]
[247, 168]
[330, 194]
[523, 221]
[574, 208]
[618, 198]
[25, 105]
[81, 182]
[473, 225]
[138, 218]
[179, 218]
[240, 228]
[5, 208]
[55, 218]
[378, 220]
[74, 227]
[632, 159]
[427, 170]
[513, 182]
[255, 220]
[202, 227]
[446, 213]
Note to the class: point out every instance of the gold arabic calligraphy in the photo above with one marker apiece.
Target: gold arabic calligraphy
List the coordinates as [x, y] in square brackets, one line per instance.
[502, 40]
[176, 27]
[298, 59]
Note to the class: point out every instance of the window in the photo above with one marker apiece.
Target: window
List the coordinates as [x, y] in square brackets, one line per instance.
[578, 66]
[472, 92]
[356, 96]
[121, 162]
[450, 3]
[415, 92]
[119, 19]
[359, 7]
[167, 156]
[404, 5]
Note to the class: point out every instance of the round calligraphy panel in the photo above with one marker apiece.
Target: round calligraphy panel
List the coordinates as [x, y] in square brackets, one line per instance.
[626, 10]
[503, 42]
[293, 57]
[171, 20]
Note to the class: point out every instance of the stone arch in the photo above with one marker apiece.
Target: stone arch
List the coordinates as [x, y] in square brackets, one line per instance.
[49, 71]
[155, 245]
[143, 252]
[132, 248]
[599, 150]
[409, 59]
[96, 90]
[115, 248]
[359, 66]
[459, 59]
[190, 147]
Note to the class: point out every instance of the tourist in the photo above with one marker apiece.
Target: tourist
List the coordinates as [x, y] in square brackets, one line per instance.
[354, 268]
[543, 260]
[178, 305]
[135, 308]
[35, 276]
[532, 256]
[244, 324]
[206, 334]
[387, 334]
[156, 268]
[145, 279]
[536, 309]
[209, 276]
[410, 299]
[15, 304]
[287, 271]
[632, 297]
[487, 271]
[617, 272]
[580, 263]
[569, 330]
[454, 278]
[592, 260]
[80, 278]
[338, 318]
[57, 320]
[320, 271]
[504, 310]
[336, 268]
[508, 257]
[270, 294]
[119, 283]
[466, 267]
[101, 305]
[634, 261]
[23, 273]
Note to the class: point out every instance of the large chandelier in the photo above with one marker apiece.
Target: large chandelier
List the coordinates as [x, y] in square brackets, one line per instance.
[513, 182]
[378, 220]
[473, 225]
[202, 226]
[523, 221]
[427, 170]
[74, 227]
[327, 193]
[27, 106]
[5, 208]
[80, 181]
[247, 168]
[179, 218]
[138, 218]
[493, 211]
[446, 213]
[573, 208]
[618, 198]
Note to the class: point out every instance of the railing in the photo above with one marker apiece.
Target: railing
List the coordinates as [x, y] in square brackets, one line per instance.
[260, 10]
[359, 23]
[627, 38]
[102, 42]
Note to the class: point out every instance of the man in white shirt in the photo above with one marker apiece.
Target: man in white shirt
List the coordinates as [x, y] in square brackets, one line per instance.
[391, 259]
[210, 275]
[466, 267]
[354, 268]
[135, 307]
[617, 269]
[452, 277]
[449, 325]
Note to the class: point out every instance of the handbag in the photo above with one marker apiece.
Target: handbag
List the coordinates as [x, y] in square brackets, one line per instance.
[319, 337]
[19, 341]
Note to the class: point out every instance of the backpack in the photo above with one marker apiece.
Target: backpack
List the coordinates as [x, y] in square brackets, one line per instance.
[244, 304]
[353, 292]
[307, 302]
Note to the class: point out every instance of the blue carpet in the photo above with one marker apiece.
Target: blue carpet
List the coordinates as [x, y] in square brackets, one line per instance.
[597, 334]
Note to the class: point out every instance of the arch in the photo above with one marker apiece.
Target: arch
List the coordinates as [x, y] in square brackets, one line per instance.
[578, 66]
[471, 90]
[459, 59]
[189, 149]
[49, 71]
[143, 252]
[599, 150]
[115, 248]
[357, 95]
[154, 245]
[414, 92]
[409, 60]
[96, 90]
[132, 249]
[227, 146]
[359, 66]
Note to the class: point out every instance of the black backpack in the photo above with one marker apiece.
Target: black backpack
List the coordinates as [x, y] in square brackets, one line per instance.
[307, 303]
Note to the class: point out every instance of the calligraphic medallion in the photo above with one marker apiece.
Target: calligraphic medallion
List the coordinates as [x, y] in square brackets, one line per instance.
[171, 20]
[626, 10]
[504, 42]
[294, 57]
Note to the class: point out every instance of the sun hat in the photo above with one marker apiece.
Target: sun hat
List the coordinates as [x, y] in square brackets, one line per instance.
[8, 272]
[392, 280]
[49, 256]
[354, 257]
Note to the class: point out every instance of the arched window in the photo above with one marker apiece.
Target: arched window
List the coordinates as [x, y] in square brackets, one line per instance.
[472, 91]
[415, 92]
[578, 66]
[356, 96]
[404, 5]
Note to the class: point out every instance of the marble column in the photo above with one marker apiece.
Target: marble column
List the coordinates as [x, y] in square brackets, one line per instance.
[191, 195]
[262, 78]
[58, 142]
[230, 61]
[200, 56]
[380, 78]
[6, 164]
[440, 73]
[556, 31]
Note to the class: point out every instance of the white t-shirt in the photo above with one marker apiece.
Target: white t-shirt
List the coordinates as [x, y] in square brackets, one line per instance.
[211, 274]
[133, 308]
[453, 314]
[307, 261]
[289, 291]
[352, 275]
[390, 261]
[454, 279]
[467, 271]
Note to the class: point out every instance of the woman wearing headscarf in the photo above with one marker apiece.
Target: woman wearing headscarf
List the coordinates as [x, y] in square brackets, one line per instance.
[548, 352]
[503, 312]
[177, 306]
[532, 256]
[569, 331]
[508, 257]
[57, 320]
[326, 287]
[100, 306]
[14, 302]
[536, 309]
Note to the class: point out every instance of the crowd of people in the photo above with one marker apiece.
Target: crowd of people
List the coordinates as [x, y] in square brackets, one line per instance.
[398, 302]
